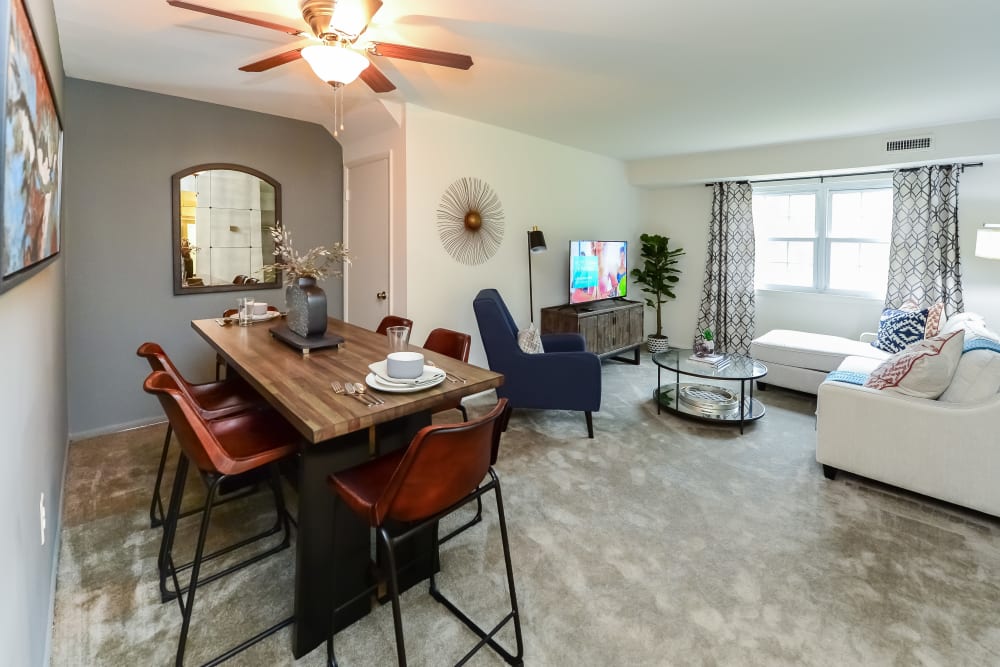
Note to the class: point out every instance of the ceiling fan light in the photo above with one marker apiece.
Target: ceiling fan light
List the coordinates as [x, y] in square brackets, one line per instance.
[335, 64]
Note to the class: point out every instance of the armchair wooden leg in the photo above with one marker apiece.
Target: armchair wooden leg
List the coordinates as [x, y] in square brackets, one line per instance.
[590, 424]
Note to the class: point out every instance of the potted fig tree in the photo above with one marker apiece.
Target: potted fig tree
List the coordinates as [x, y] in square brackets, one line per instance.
[657, 276]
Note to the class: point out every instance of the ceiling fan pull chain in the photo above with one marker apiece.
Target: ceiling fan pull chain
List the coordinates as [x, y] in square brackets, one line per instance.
[340, 91]
[336, 94]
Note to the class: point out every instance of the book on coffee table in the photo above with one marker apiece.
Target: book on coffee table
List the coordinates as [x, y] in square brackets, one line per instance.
[711, 359]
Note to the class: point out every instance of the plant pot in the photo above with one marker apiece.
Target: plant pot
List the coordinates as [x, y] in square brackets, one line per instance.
[306, 303]
[656, 343]
[702, 347]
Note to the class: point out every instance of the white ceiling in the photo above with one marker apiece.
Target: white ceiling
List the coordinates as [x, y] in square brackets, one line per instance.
[629, 79]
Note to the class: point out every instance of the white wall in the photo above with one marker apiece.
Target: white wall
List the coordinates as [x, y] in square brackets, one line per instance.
[568, 193]
[683, 212]
[33, 413]
[979, 203]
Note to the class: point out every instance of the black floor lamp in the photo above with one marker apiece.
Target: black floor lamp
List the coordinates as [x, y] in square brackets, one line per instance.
[536, 244]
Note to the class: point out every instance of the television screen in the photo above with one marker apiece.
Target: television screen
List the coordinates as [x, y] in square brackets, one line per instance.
[597, 270]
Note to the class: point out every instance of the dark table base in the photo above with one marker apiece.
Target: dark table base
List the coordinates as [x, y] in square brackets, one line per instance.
[325, 577]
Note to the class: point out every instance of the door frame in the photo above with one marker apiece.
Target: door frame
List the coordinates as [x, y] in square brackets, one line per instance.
[388, 156]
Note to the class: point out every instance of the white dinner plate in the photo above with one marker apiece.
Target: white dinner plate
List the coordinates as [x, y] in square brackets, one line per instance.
[372, 381]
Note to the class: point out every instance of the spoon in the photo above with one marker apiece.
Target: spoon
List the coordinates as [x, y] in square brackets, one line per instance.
[363, 390]
[349, 387]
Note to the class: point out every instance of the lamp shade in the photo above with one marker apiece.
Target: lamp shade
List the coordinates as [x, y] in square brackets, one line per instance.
[335, 64]
[988, 242]
[536, 241]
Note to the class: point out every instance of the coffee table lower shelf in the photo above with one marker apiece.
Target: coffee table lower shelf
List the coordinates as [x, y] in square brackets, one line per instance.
[753, 409]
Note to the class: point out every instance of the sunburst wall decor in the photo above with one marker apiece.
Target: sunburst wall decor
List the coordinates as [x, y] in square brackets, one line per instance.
[470, 221]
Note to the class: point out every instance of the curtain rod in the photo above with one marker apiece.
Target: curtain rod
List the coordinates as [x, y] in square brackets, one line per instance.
[862, 173]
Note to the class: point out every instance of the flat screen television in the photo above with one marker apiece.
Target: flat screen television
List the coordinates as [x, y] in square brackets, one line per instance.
[597, 270]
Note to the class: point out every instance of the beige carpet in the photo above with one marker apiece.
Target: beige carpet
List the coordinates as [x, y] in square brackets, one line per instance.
[661, 542]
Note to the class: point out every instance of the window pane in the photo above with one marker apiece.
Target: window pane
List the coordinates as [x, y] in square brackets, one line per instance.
[785, 263]
[863, 214]
[785, 215]
[859, 267]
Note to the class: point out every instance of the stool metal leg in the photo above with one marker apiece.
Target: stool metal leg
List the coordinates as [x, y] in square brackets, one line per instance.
[156, 505]
[486, 638]
[187, 606]
[397, 618]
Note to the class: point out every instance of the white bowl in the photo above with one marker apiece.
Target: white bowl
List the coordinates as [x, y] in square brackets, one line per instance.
[404, 365]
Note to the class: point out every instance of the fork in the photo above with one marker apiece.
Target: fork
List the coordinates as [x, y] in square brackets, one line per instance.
[363, 390]
[361, 397]
[339, 389]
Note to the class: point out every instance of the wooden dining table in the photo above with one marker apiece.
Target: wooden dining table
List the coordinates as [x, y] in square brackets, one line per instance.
[338, 432]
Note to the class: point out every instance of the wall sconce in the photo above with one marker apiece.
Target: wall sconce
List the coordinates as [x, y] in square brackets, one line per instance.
[988, 242]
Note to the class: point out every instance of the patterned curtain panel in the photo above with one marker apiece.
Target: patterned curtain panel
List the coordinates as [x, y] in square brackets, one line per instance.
[924, 266]
[727, 302]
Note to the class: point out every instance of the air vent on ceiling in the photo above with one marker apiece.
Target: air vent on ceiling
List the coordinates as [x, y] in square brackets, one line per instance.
[912, 144]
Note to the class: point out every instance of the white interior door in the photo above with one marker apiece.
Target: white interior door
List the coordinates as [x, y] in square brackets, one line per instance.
[368, 238]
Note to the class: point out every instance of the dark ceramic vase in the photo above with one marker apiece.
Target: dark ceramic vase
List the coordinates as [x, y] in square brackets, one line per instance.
[306, 303]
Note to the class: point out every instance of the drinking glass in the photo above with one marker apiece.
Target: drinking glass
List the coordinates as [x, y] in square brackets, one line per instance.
[245, 306]
[398, 338]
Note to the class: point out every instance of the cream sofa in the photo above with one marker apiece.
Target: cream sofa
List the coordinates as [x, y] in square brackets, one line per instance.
[947, 450]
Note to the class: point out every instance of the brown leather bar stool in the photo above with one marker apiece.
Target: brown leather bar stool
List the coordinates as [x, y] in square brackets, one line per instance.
[454, 344]
[212, 399]
[220, 449]
[417, 487]
[393, 321]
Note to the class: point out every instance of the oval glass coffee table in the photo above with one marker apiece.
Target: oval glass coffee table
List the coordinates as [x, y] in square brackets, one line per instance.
[706, 399]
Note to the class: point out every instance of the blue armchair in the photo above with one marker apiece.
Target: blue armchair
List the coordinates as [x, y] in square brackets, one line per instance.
[564, 377]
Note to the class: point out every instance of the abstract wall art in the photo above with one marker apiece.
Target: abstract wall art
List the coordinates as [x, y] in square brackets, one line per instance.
[32, 156]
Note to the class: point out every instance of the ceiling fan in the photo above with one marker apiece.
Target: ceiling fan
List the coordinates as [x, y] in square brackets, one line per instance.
[337, 59]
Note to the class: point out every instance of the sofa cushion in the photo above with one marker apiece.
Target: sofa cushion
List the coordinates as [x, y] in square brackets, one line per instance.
[899, 328]
[977, 377]
[864, 365]
[923, 369]
[800, 349]
[972, 323]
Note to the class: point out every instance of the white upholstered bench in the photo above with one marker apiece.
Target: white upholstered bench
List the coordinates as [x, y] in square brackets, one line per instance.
[801, 360]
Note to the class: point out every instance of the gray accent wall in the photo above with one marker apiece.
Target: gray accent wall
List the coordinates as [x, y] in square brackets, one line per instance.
[33, 414]
[122, 146]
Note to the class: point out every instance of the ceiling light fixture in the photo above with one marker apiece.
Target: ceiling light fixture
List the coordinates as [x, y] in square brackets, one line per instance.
[335, 64]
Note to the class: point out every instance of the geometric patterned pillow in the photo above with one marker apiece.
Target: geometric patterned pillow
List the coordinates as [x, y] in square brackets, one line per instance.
[529, 341]
[924, 369]
[934, 315]
[899, 328]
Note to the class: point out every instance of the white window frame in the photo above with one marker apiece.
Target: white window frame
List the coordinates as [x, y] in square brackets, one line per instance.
[822, 241]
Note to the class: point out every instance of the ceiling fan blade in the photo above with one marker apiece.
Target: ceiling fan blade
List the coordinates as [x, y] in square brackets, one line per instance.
[237, 17]
[376, 80]
[273, 61]
[417, 54]
[369, 7]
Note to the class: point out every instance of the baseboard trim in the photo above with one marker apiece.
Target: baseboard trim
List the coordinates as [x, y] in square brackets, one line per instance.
[115, 428]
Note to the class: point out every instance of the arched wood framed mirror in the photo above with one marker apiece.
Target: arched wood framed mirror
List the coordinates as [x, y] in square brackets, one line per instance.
[223, 215]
